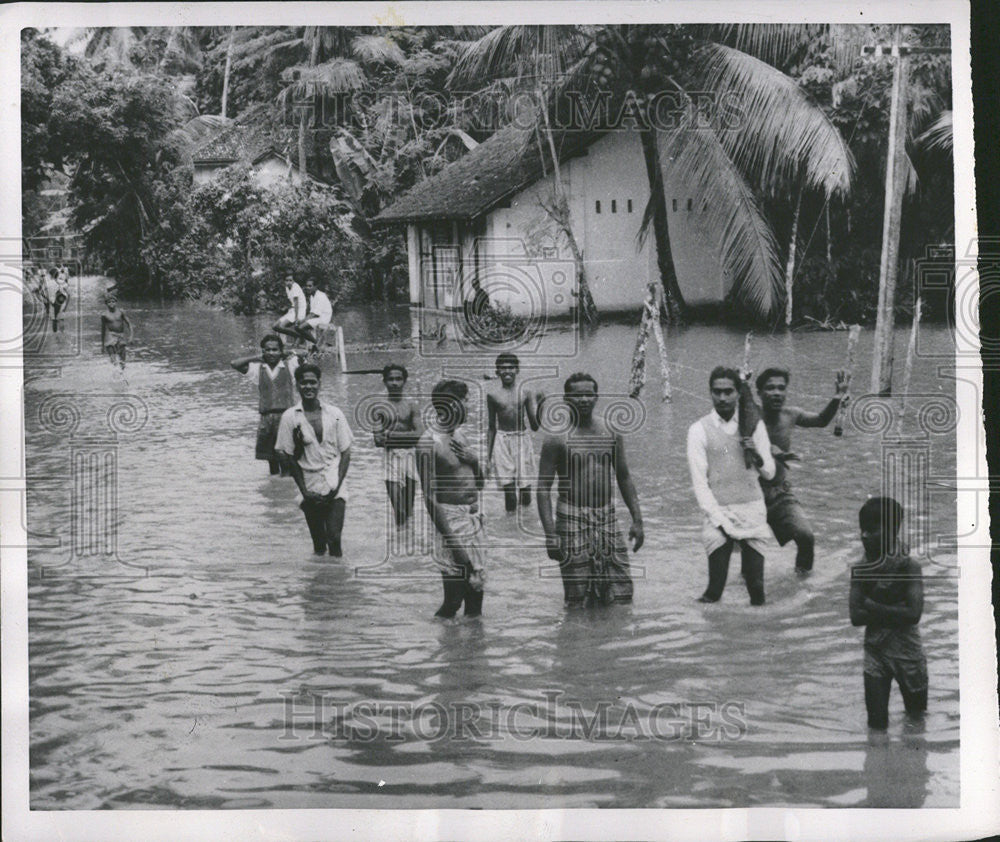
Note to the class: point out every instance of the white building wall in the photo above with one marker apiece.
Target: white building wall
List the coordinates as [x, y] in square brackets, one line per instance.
[531, 267]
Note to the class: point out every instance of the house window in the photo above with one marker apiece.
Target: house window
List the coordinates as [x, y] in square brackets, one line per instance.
[630, 206]
[614, 206]
[597, 206]
[674, 203]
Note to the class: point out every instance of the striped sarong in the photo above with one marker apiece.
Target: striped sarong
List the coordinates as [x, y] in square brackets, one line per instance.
[596, 566]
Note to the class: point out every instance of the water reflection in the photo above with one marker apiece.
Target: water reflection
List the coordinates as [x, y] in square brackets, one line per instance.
[168, 689]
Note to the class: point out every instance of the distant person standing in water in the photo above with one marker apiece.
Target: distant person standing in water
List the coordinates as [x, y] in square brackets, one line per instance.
[113, 324]
[57, 288]
[401, 429]
[509, 449]
[584, 536]
[727, 491]
[314, 442]
[785, 515]
[452, 478]
[887, 598]
[272, 370]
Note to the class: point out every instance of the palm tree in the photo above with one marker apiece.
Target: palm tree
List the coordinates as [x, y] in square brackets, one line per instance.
[782, 133]
[334, 65]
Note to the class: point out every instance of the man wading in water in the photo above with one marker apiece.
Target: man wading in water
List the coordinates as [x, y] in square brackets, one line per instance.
[508, 448]
[314, 443]
[451, 477]
[784, 513]
[401, 430]
[727, 490]
[584, 537]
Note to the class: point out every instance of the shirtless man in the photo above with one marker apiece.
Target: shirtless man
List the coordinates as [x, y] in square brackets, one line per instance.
[584, 536]
[451, 477]
[784, 513]
[508, 443]
[402, 428]
[113, 324]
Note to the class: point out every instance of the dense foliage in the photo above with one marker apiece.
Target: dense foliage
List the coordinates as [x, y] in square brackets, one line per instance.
[371, 112]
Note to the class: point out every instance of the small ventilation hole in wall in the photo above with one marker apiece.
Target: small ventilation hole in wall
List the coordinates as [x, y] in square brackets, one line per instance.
[690, 204]
[630, 206]
[614, 206]
[597, 206]
[674, 203]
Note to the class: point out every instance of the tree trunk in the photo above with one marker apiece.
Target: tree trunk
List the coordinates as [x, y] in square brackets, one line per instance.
[559, 211]
[303, 116]
[829, 244]
[790, 266]
[672, 294]
[225, 72]
[895, 187]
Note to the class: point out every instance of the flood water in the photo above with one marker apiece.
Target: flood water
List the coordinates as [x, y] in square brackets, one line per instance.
[213, 662]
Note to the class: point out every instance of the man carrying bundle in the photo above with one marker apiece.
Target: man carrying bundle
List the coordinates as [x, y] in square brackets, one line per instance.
[727, 489]
[784, 513]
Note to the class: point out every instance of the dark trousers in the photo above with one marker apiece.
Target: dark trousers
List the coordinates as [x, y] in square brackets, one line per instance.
[456, 591]
[325, 521]
[877, 689]
[751, 566]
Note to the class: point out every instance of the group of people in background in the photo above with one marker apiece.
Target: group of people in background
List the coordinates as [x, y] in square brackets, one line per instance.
[51, 286]
[740, 483]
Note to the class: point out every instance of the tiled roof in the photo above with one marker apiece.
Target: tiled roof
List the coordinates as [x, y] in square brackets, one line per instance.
[481, 179]
[241, 142]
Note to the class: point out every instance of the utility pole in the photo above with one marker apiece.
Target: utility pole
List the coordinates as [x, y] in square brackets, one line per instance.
[895, 187]
[896, 173]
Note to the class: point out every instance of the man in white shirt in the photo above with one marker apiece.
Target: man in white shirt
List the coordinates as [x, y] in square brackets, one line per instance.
[296, 313]
[727, 491]
[314, 442]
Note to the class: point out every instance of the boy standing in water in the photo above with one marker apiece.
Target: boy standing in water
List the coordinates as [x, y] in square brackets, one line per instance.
[584, 537]
[402, 429]
[728, 492]
[452, 477]
[314, 442]
[887, 598]
[784, 513]
[509, 448]
[273, 370]
[113, 324]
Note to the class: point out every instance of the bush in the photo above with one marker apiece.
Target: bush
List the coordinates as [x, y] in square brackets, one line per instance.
[230, 242]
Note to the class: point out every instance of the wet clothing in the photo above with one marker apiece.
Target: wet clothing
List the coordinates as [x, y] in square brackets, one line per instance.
[114, 338]
[319, 460]
[514, 458]
[785, 514]
[401, 465]
[468, 526]
[596, 566]
[891, 651]
[276, 393]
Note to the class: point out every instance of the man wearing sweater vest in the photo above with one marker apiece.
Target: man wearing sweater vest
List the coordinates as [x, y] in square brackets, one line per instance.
[272, 370]
[727, 491]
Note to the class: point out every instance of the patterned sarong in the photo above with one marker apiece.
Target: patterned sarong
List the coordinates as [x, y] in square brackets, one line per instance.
[596, 566]
[469, 530]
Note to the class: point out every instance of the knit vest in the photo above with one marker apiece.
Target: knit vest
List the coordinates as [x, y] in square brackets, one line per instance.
[276, 394]
[728, 477]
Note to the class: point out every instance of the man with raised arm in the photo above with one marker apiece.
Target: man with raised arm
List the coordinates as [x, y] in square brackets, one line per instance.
[452, 477]
[727, 491]
[584, 536]
[784, 512]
